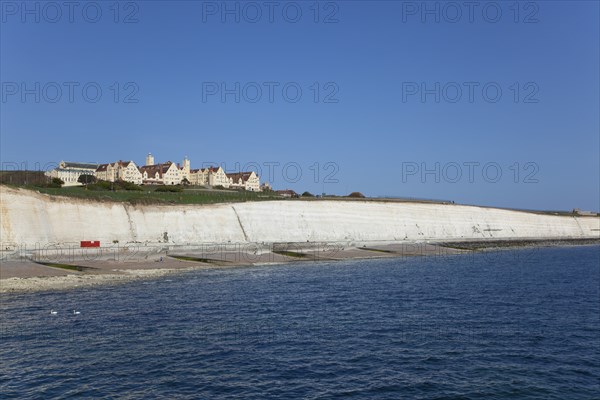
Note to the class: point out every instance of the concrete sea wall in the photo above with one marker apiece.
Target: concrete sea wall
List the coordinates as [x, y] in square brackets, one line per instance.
[30, 219]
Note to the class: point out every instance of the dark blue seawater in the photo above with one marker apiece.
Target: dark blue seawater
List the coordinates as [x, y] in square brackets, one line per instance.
[502, 325]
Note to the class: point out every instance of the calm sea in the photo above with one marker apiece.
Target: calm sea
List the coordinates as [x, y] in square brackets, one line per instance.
[503, 325]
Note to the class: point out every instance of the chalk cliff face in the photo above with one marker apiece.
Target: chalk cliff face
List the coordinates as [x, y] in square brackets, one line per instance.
[30, 219]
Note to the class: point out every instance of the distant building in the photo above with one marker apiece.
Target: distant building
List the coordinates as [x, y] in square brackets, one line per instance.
[120, 170]
[70, 172]
[171, 174]
[217, 177]
[161, 174]
[244, 180]
[287, 193]
[185, 170]
[166, 173]
[198, 177]
[152, 173]
[577, 211]
[127, 171]
[212, 176]
[104, 172]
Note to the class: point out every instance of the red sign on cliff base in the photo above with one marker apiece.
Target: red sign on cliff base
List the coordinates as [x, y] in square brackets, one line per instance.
[90, 243]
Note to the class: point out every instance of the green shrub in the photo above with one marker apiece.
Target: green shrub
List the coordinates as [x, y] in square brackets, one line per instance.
[100, 185]
[86, 179]
[55, 183]
[129, 186]
[357, 195]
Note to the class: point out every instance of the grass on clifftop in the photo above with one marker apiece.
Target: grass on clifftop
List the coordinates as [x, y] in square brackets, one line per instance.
[150, 196]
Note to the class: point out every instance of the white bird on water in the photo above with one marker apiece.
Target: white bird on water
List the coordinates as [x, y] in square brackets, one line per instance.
[76, 312]
[52, 312]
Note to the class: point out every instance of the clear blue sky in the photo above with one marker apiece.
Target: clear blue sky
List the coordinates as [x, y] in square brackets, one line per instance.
[375, 61]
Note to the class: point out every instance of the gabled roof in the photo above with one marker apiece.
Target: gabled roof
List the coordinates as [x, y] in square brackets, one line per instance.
[212, 170]
[244, 176]
[153, 169]
[123, 164]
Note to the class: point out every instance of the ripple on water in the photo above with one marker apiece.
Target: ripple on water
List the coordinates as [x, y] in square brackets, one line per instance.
[470, 327]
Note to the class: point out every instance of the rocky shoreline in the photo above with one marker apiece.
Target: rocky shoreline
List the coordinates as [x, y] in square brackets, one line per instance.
[510, 244]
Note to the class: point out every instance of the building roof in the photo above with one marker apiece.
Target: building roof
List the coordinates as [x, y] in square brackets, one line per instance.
[153, 169]
[75, 170]
[79, 165]
[123, 164]
[212, 169]
[244, 176]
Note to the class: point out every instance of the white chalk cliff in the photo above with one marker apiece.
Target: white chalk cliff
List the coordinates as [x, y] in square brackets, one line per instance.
[31, 219]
